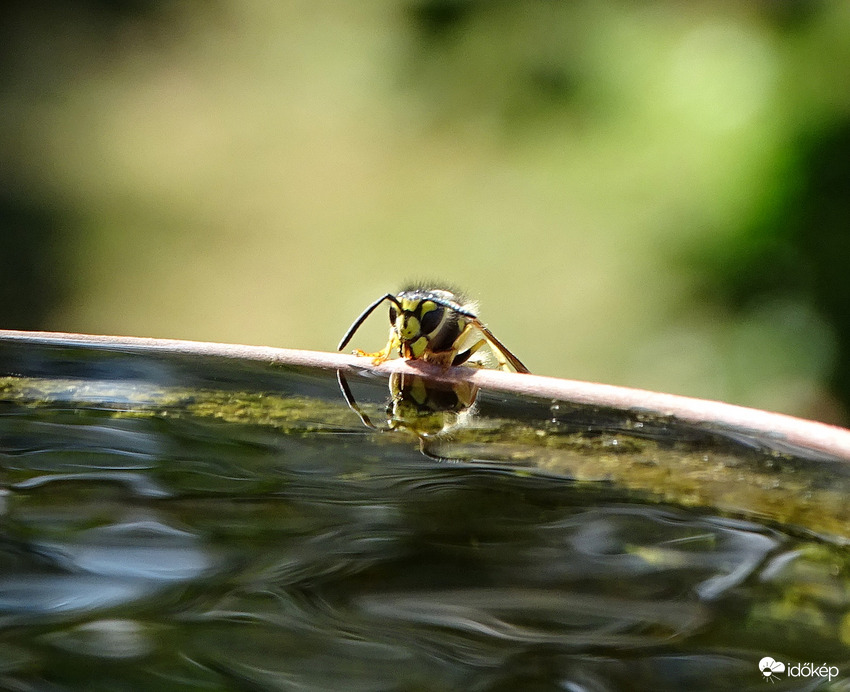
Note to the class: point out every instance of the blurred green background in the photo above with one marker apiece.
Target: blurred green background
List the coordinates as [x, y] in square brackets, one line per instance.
[649, 194]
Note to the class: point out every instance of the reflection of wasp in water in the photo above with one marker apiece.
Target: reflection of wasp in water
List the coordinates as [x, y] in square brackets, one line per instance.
[431, 410]
[434, 325]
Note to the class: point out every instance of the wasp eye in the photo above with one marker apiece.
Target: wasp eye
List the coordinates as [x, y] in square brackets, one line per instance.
[431, 320]
[393, 314]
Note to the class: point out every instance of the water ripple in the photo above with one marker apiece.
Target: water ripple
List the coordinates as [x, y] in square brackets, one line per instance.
[139, 484]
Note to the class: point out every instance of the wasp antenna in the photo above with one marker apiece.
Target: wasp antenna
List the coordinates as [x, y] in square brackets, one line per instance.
[368, 311]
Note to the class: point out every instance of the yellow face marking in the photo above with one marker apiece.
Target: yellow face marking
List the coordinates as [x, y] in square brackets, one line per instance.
[417, 348]
[409, 327]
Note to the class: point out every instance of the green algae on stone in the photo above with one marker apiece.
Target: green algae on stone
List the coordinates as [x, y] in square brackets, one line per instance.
[691, 472]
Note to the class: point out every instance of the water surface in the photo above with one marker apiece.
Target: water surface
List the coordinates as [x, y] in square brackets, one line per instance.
[171, 522]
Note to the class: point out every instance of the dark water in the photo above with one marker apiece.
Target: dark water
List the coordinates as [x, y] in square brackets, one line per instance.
[172, 523]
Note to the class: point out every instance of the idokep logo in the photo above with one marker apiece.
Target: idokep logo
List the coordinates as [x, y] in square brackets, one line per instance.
[772, 669]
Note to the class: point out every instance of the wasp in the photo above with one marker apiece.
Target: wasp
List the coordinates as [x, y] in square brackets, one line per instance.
[436, 325]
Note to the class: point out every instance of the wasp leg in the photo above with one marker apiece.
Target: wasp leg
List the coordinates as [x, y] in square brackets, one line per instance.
[464, 356]
[501, 358]
[461, 358]
[507, 360]
[382, 355]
